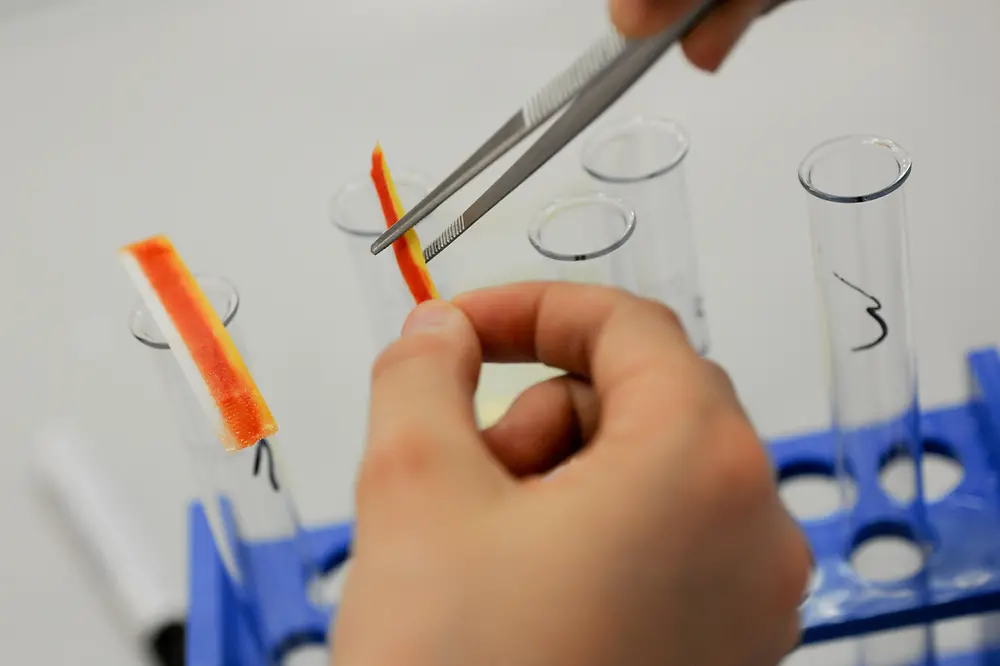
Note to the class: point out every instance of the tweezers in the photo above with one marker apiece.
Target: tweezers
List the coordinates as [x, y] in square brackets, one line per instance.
[593, 83]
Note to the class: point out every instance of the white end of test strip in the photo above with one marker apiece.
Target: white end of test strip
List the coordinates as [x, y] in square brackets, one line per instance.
[179, 348]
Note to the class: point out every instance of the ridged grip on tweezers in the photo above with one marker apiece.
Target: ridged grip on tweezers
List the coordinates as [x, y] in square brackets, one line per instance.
[564, 87]
[543, 105]
[454, 230]
[536, 111]
[600, 93]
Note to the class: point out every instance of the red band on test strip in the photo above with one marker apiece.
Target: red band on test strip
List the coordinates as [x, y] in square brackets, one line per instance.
[409, 254]
[242, 408]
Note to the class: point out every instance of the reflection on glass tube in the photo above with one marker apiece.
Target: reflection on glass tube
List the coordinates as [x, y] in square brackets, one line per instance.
[357, 215]
[243, 492]
[858, 222]
[641, 162]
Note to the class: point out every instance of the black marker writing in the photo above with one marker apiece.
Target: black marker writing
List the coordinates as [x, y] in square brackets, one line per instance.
[873, 311]
[263, 446]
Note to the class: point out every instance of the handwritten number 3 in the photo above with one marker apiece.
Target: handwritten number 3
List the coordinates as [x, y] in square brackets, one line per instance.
[873, 312]
[263, 446]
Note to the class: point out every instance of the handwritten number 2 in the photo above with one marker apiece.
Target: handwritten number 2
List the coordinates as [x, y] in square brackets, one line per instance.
[262, 447]
[873, 312]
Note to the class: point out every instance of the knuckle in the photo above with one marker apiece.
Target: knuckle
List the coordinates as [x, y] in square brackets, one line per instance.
[743, 480]
[719, 378]
[663, 312]
[706, 397]
[742, 466]
[791, 635]
[398, 457]
[387, 359]
[789, 577]
[797, 569]
[406, 350]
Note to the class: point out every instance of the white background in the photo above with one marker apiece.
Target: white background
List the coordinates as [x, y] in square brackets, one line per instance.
[228, 124]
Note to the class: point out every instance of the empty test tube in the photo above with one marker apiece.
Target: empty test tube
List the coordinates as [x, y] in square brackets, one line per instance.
[244, 495]
[857, 216]
[641, 162]
[586, 239]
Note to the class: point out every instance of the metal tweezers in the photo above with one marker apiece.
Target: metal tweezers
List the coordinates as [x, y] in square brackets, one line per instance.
[593, 83]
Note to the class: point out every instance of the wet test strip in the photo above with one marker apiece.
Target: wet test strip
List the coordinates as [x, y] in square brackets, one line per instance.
[199, 341]
[409, 254]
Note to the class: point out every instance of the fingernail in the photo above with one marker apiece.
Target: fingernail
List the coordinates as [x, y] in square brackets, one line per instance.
[430, 315]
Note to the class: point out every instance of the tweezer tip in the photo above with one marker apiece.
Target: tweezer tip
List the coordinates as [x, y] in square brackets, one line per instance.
[380, 244]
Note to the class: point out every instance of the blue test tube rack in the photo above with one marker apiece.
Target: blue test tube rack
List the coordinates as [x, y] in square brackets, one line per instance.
[961, 575]
[224, 626]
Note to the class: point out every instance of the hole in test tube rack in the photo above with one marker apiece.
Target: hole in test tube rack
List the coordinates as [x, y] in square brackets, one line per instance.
[942, 472]
[907, 646]
[330, 586]
[304, 650]
[810, 490]
[886, 552]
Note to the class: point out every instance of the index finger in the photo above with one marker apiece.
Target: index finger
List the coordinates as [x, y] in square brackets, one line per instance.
[709, 43]
[604, 334]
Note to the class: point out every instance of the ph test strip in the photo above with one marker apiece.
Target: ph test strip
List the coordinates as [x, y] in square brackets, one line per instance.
[200, 343]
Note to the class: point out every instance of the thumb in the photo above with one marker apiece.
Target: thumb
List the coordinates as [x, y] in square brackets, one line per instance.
[424, 445]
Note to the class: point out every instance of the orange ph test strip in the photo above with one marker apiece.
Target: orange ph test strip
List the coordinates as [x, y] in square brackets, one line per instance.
[200, 343]
[409, 254]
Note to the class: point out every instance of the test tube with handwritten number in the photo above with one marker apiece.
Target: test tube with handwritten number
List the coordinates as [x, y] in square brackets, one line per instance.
[857, 214]
[244, 495]
[642, 161]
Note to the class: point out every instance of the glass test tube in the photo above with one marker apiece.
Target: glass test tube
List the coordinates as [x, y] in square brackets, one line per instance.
[581, 239]
[586, 239]
[357, 215]
[244, 496]
[858, 222]
[641, 162]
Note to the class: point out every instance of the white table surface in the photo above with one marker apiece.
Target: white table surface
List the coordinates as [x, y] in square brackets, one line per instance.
[227, 124]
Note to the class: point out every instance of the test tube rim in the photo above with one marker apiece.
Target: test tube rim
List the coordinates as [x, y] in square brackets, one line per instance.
[614, 129]
[563, 204]
[140, 308]
[402, 177]
[903, 161]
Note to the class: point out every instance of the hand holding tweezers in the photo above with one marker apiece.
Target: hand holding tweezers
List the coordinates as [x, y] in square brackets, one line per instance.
[602, 75]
